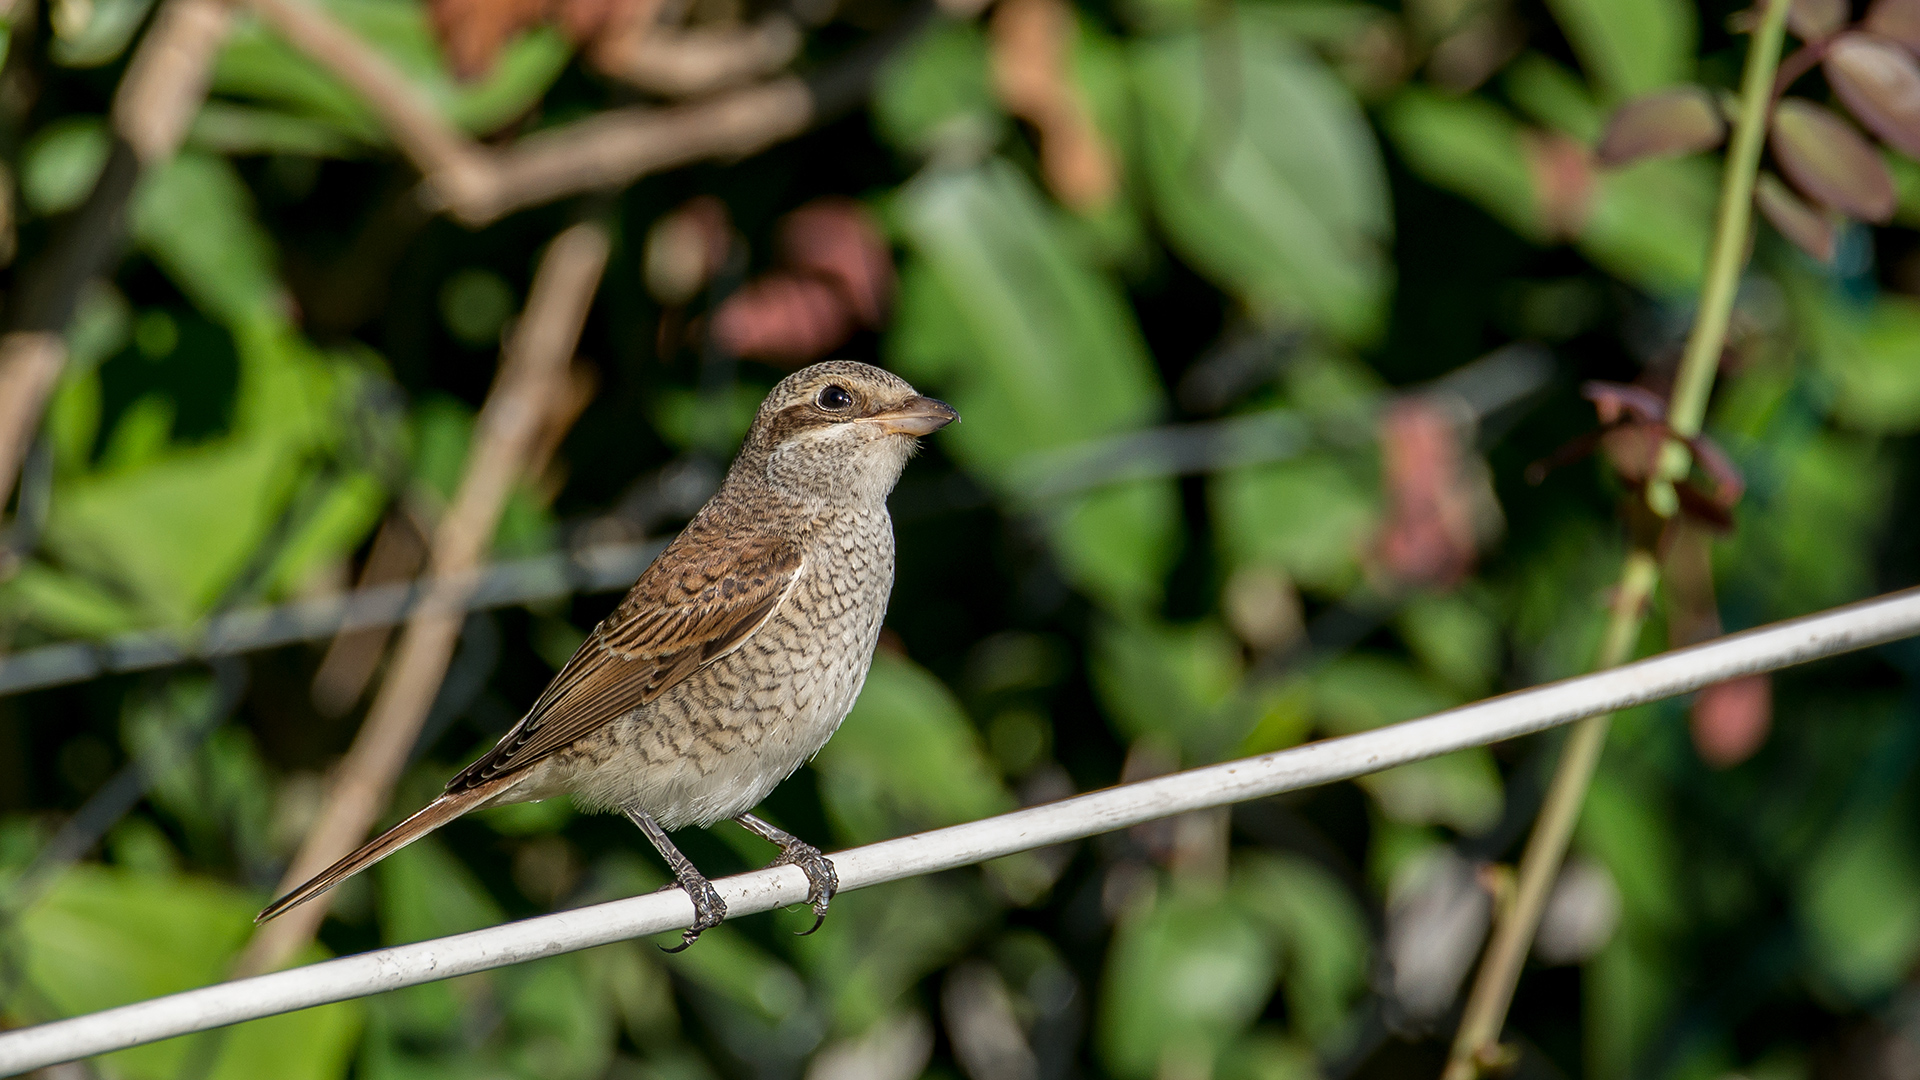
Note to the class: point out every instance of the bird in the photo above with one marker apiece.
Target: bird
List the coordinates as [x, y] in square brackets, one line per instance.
[736, 654]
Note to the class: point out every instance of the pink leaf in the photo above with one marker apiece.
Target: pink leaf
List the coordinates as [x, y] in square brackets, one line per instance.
[783, 318]
[1731, 720]
[1680, 120]
[837, 239]
[1830, 162]
[1880, 84]
[1808, 229]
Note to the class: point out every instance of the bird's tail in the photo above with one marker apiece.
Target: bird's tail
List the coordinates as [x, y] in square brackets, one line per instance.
[448, 806]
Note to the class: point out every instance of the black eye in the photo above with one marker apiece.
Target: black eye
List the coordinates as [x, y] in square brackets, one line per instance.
[835, 398]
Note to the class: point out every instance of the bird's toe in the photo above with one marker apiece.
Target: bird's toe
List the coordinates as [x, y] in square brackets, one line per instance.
[822, 880]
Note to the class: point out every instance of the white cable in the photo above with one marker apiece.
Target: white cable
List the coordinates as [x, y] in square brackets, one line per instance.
[1841, 630]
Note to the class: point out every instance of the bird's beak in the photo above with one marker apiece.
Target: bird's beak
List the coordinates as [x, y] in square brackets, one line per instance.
[918, 416]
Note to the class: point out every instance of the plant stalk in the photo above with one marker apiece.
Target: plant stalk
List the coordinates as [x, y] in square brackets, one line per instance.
[1476, 1045]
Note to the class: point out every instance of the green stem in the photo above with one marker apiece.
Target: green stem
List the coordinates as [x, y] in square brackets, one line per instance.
[1687, 410]
[1476, 1045]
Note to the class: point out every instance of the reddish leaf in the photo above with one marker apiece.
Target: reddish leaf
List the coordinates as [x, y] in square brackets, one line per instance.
[838, 239]
[1897, 20]
[473, 31]
[784, 319]
[1817, 20]
[1880, 84]
[1808, 229]
[1731, 720]
[1681, 120]
[1563, 181]
[1830, 162]
[1439, 506]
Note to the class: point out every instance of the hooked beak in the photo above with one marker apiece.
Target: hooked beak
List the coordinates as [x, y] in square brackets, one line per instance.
[918, 416]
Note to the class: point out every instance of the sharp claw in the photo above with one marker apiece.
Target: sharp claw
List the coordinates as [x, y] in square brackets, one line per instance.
[708, 912]
[822, 880]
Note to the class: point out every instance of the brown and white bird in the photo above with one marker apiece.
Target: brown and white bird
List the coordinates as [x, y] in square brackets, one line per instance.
[736, 655]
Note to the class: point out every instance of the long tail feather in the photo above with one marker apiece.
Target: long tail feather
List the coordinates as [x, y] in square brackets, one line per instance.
[435, 814]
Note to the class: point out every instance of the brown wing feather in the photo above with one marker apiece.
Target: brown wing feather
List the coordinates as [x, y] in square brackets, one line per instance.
[698, 600]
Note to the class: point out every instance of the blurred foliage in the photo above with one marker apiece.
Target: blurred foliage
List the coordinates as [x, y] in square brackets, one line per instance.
[1303, 212]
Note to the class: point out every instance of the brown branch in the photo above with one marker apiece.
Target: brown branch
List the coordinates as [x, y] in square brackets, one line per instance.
[681, 63]
[533, 375]
[478, 185]
[162, 89]
[621, 145]
[449, 159]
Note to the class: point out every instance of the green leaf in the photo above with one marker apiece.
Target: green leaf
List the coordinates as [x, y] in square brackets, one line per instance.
[1630, 47]
[1322, 935]
[258, 65]
[1468, 146]
[61, 162]
[1171, 682]
[936, 89]
[1868, 354]
[906, 759]
[104, 36]
[1281, 196]
[1860, 904]
[1038, 350]
[873, 953]
[1455, 638]
[1183, 979]
[1648, 223]
[1630, 832]
[103, 937]
[195, 217]
[1311, 517]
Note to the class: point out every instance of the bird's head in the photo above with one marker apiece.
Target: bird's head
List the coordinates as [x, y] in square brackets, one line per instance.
[841, 430]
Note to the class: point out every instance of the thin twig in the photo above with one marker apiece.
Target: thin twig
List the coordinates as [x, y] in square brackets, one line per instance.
[1797, 641]
[685, 63]
[533, 371]
[1476, 1045]
[478, 185]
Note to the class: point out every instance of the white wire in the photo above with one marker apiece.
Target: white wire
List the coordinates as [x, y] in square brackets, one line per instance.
[1841, 630]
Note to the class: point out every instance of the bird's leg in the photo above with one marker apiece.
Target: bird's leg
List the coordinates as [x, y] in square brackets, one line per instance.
[822, 881]
[708, 908]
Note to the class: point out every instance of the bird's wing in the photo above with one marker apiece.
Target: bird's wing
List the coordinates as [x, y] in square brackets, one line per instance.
[696, 603]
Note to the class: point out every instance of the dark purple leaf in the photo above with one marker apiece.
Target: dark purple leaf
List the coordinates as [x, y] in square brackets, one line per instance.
[1896, 20]
[1810, 230]
[1880, 84]
[1830, 162]
[1817, 20]
[1680, 120]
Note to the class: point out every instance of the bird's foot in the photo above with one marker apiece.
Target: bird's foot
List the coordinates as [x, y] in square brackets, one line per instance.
[822, 880]
[708, 909]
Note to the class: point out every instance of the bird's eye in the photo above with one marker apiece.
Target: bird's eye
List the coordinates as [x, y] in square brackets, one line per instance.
[835, 398]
